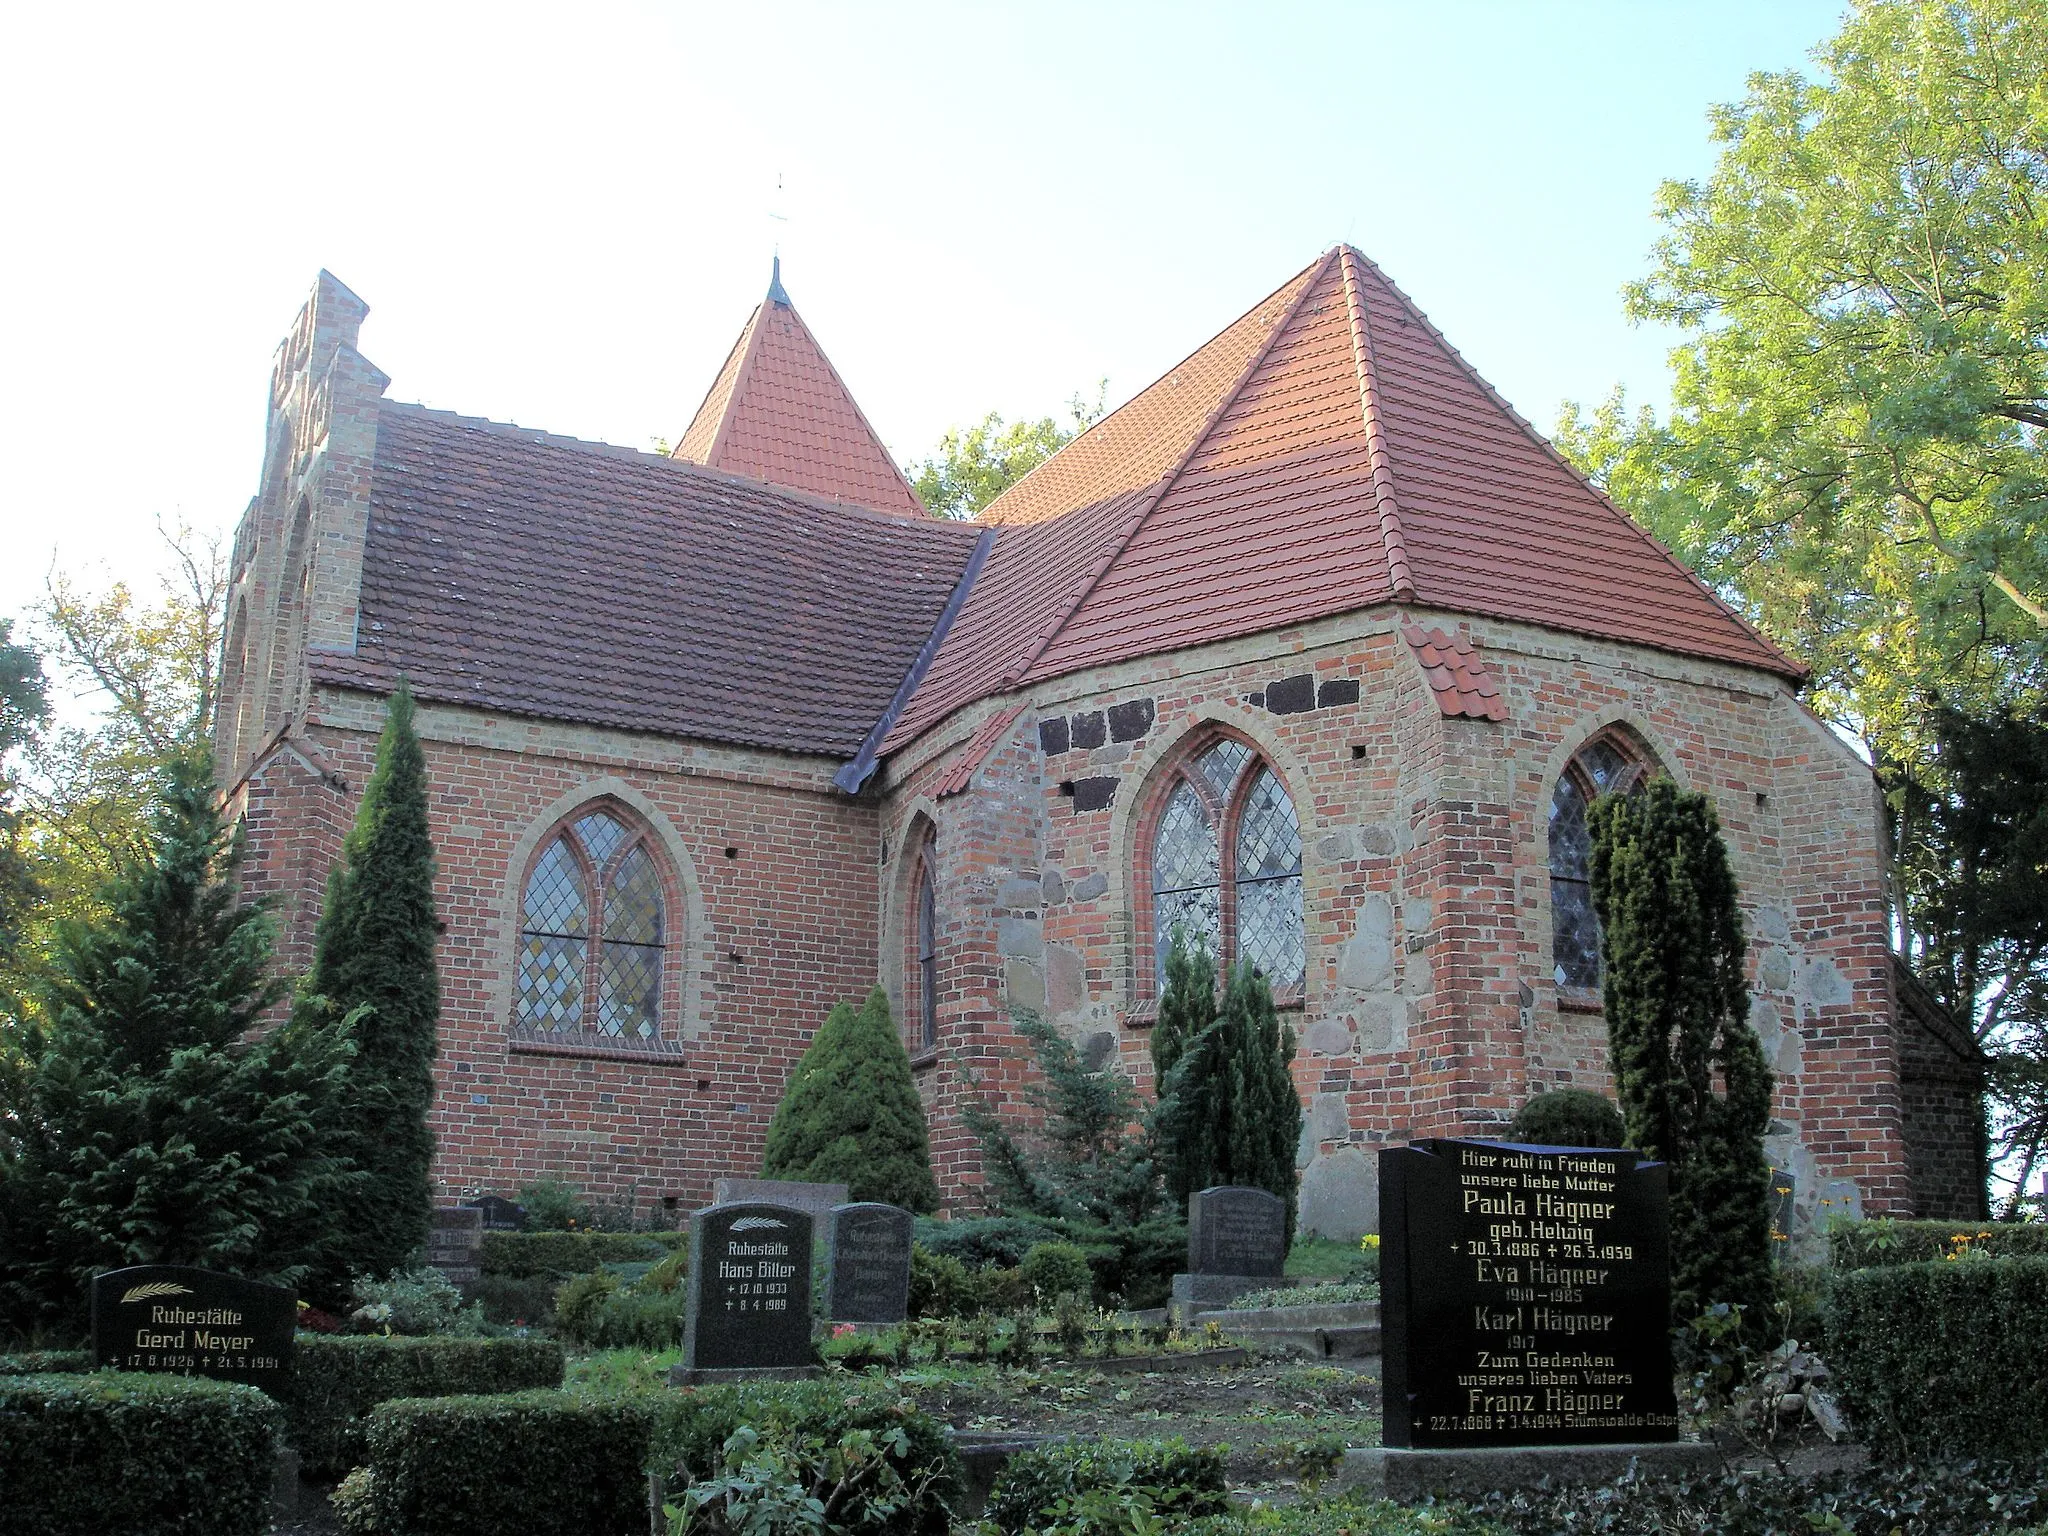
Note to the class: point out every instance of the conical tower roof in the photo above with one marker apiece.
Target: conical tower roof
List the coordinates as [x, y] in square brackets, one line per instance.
[1329, 451]
[778, 411]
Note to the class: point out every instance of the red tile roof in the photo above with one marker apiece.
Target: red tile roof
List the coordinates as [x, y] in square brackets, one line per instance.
[536, 575]
[1459, 679]
[778, 411]
[1328, 452]
[960, 772]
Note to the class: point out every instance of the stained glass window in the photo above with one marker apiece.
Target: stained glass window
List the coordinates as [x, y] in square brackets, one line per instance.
[927, 957]
[593, 927]
[1226, 865]
[1598, 767]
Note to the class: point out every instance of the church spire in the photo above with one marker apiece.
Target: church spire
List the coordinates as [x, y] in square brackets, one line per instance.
[777, 294]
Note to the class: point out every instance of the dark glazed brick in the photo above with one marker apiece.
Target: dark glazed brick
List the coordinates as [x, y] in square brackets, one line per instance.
[1292, 696]
[1093, 794]
[1088, 730]
[1052, 736]
[1127, 722]
[1338, 690]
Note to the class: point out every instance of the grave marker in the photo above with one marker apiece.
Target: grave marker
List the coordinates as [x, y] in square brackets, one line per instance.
[500, 1214]
[869, 1263]
[1237, 1242]
[1526, 1296]
[455, 1242]
[749, 1307]
[816, 1200]
[193, 1322]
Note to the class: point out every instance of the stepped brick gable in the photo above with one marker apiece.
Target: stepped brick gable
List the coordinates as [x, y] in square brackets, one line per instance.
[1314, 645]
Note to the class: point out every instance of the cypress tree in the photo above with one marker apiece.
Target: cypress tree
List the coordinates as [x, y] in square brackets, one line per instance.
[1677, 1008]
[142, 1122]
[1229, 1113]
[1187, 1003]
[851, 1113]
[373, 968]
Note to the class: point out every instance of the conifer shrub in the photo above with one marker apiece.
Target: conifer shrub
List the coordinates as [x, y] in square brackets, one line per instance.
[1677, 1005]
[851, 1113]
[1187, 1007]
[558, 1255]
[1568, 1117]
[142, 1455]
[1053, 1270]
[374, 971]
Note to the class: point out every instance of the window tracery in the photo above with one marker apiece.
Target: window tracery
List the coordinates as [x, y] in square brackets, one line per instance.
[593, 937]
[1605, 763]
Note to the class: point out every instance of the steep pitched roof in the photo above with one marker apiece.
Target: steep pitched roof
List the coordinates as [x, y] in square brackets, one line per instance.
[510, 570]
[778, 411]
[1329, 451]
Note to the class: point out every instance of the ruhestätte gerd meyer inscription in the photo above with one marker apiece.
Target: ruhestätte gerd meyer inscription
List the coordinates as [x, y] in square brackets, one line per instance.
[750, 1289]
[1525, 1296]
[193, 1322]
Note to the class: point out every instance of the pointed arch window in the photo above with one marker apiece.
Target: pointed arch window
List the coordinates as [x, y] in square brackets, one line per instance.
[593, 937]
[1226, 865]
[927, 955]
[1606, 763]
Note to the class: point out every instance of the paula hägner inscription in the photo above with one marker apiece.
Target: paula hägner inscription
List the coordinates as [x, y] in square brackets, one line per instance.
[1527, 1296]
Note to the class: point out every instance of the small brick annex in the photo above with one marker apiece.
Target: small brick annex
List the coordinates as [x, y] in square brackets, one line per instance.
[1320, 538]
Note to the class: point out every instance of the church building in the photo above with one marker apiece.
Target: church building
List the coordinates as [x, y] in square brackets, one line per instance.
[1314, 645]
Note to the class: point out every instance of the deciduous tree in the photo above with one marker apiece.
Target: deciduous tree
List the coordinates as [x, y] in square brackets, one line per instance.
[973, 465]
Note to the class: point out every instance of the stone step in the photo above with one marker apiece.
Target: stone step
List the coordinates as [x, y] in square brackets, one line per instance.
[1337, 1332]
[1336, 1314]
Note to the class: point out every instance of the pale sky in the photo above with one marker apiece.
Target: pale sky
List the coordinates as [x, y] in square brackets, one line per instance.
[559, 215]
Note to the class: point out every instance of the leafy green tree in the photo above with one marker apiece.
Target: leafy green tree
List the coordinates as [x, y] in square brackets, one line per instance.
[373, 965]
[1855, 451]
[1228, 1111]
[140, 1122]
[1187, 1003]
[1677, 1007]
[851, 1113]
[24, 706]
[974, 465]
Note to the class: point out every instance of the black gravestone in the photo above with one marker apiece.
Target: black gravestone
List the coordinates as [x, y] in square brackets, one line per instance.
[500, 1214]
[750, 1290]
[193, 1322]
[868, 1245]
[1525, 1296]
[1236, 1231]
[455, 1242]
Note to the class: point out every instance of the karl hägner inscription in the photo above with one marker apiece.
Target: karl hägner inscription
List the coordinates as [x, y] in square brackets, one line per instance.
[868, 1249]
[1525, 1296]
[193, 1322]
[750, 1290]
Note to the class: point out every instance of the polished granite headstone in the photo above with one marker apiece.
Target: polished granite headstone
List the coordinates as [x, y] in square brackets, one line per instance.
[1233, 1230]
[868, 1261]
[193, 1322]
[500, 1214]
[814, 1199]
[749, 1308]
[1525, 1296]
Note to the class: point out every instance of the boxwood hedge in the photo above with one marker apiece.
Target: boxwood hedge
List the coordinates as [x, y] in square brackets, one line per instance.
[562, 1254]
[1873, 1244]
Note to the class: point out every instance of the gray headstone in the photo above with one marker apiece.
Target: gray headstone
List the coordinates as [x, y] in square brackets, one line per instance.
[815, 1199]
[869, 1263]
[1236, 1231]
[455, 1242]
[193, 1322]
[750, 1289]
[500, 1214]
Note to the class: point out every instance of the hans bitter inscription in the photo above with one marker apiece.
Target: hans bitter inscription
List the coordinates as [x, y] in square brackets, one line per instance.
[750, 1289]
[193, 1322]
[1526, 1296]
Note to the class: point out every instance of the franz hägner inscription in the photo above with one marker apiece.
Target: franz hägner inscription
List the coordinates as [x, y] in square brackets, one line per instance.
[1525, 1296]
[193, 1322]
[750, 1288]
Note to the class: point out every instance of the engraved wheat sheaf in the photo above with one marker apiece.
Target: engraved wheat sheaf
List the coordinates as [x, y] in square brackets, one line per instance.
[755, 1223]
[155, 1288]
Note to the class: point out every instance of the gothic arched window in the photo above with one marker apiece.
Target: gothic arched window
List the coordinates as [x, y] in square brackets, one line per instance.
[593, 935]
[1605, 763]
[927, 955]
[1226, 864]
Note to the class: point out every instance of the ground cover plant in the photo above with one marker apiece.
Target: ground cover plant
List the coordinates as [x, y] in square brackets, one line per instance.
[1105, 1484]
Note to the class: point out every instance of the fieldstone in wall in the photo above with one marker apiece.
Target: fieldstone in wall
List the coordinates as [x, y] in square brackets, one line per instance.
[1328, 1037]
[1415, 973]
[1335, 846]
[1770, 922]
[1052, 888]
[1329, 1117]
[1098, 1049]
[1305, 1146]
[1020, 895]
[1784, 1051]
[1019, 936]
[1340, 1195]
[1066, 979]
[1379, 841]
[1088, 887]
[1024, 985]
[1382, 1026]
[1821, 984]
[1366, 962]
[1774, 971]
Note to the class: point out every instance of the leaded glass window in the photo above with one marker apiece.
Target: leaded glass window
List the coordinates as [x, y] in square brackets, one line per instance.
[593, 934]
[1226, 865]
[927, 957]
[1600, 766]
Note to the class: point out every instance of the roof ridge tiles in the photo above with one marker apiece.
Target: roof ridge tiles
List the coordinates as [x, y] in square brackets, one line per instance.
[1400, 578]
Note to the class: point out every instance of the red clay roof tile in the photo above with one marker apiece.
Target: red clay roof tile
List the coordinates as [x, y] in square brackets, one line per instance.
[1459, 679]
[960, 772]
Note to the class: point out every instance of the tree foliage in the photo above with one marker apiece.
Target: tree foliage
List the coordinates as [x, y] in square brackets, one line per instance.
[1187, 1003]
[24, 706]
[851, 1113]
[139, 1122]
[1569, 1117]
[373, 966]
[1677, 1006]
[975, 464]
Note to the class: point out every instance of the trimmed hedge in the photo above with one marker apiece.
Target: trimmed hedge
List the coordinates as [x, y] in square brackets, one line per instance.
[46, 1362]
[142, 1455]
[1184, 1482]
[531, 1463]
[562, 1254]
[1871, 1244]
[337, 1380]
[1944, 1359]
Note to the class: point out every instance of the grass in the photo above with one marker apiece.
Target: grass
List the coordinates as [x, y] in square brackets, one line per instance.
[1322, 1258]
[619, 1370]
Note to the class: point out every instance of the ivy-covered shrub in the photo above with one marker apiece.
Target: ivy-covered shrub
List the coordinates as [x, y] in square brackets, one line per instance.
[142, 1455]
[1053, 1270]
[337, 1381]
[598, 1311]
[1944, 1359]
[1050, 1483]
[1568, 1117]
[558, 1255]
[535, 1463]
[45, 1362]
[1871, 1244]
[802, 1424]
